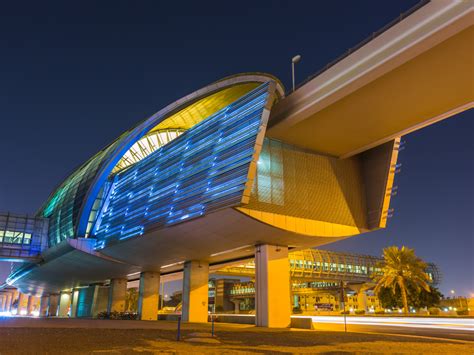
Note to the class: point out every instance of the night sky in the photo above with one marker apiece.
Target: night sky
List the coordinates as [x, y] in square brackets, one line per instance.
[74, 75]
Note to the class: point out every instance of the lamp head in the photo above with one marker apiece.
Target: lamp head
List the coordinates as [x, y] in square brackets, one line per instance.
[296, 59]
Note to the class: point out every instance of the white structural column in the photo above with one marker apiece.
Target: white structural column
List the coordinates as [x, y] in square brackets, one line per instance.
[148, 295]
[44, 303]
[64, 304]
[272, 286]
[117, 295]
[195, 291]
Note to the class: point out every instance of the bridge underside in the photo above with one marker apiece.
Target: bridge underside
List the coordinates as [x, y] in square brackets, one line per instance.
[428, 88]
[218, 237]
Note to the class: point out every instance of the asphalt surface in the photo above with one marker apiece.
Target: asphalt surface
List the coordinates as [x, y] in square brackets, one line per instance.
[461, 329]
[452, 329]
[23, 335]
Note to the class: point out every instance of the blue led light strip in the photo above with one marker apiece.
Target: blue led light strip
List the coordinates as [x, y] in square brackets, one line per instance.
[202, 170]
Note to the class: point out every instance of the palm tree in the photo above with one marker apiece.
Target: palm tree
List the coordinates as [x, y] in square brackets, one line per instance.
[401, 269]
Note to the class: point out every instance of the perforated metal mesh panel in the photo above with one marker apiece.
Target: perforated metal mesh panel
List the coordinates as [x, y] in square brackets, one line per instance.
[298, 183]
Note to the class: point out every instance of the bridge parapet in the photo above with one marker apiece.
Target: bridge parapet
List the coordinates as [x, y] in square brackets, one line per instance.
[22, 237]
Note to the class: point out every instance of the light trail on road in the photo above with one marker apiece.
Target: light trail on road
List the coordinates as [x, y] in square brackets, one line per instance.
[407, 322]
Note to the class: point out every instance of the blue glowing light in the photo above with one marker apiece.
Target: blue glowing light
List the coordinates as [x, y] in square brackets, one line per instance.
[202, 170]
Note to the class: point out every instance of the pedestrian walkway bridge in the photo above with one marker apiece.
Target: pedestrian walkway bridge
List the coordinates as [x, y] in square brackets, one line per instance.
[22, 237]
[325, 266]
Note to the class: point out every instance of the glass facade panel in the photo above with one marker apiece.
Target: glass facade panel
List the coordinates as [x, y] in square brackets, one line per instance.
[204, 169]
[69, 206]
[64, 206]
[22, 236]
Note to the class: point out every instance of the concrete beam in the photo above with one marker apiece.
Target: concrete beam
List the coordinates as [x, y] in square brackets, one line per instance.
[195, 291]
[148, 295]
[272, 286]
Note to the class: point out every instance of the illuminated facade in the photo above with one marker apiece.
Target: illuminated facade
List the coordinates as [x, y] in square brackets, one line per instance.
[238, 170]
[72, 209]
[205, 169]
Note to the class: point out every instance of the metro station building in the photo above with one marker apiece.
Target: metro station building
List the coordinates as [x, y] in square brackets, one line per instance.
[239, 169]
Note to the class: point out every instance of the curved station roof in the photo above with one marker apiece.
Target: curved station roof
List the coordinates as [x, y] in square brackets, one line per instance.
[70, 206]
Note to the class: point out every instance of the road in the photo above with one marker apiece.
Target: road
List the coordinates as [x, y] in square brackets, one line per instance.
[461, 329]
[445, 328]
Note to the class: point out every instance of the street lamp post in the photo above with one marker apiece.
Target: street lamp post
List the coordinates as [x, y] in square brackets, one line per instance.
[294, 60]
[343, 299]
[162, 294]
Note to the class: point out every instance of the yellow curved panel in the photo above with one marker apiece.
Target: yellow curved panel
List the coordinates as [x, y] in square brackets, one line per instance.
[171, 127]
[303, 226]
[205, 107]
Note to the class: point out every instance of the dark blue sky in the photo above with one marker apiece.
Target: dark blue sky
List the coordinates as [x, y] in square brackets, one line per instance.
[74, 75]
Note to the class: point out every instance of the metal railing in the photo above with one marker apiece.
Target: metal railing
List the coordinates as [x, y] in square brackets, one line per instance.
[359, 45]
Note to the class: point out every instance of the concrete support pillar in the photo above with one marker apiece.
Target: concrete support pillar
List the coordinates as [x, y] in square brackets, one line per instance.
[74, 299]
[195, 291]
[15, 301]
[53, 305]
[30, 306]
[44, 303]
[23, 304]
[362, 301]
[64, 304]
[8, 305]
[3, 302]
[90, 301]
[101, 300]
[236, 306]
[148, 295]
[117, 295]
[272, 286]
[6, 297]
